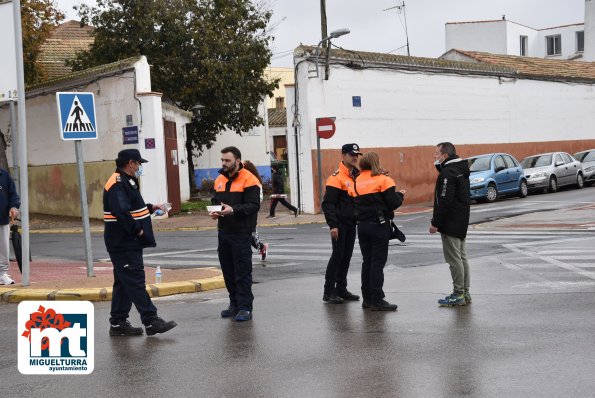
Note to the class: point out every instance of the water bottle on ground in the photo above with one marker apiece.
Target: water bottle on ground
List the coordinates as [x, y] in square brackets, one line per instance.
[158, 274]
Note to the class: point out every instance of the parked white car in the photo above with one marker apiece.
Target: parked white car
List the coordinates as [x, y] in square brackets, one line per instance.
[587, 159]
[549, 171]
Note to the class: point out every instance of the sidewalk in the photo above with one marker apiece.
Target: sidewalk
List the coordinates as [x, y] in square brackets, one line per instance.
[577, 218]
[191, 221]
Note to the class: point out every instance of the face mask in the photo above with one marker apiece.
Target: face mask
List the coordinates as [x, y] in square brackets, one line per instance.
[139, 172]
[438, 163]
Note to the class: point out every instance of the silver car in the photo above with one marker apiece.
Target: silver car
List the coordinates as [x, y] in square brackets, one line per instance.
[587, 159]
[552, 170]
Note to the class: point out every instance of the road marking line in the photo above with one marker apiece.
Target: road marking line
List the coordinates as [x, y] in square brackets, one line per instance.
[577, 270]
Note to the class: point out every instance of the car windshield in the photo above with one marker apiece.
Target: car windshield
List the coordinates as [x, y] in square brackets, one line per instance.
[536, 161]
[585, 156]
[480, 164]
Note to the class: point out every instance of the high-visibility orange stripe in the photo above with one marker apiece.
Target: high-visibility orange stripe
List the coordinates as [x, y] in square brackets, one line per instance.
[244, 180]
[334, 181]
[111, 181]
[109, 216]
[140, 213]
[366, 183]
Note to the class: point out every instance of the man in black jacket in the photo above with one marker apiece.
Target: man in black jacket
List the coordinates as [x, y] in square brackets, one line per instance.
[279, 193]
[451, 219]
[238, 192]
[127, 231]
[337, 206]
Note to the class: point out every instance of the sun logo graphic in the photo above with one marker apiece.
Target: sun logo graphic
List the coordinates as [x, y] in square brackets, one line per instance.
[56, 337]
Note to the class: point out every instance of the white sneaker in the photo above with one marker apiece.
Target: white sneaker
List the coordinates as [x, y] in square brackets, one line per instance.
[5, 279]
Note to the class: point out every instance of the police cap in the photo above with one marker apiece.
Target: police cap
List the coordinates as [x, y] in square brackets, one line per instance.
[351, 148]
[126, 155]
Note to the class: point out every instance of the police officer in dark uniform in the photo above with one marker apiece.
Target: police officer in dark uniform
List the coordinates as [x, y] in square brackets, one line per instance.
[238, 192]
[127, 231]
[375, 202]
[337, 206]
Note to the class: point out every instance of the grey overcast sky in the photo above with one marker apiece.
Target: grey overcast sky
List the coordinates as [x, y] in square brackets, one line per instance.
[372, 29]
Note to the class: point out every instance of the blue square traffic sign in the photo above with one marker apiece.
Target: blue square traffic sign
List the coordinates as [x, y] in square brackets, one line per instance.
[76, 112]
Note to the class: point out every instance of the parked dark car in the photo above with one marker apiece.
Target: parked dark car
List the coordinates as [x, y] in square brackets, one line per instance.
[549, 171]
[494, 175]
[587, 159]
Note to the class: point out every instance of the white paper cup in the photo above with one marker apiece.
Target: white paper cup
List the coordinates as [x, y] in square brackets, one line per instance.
[212, 209]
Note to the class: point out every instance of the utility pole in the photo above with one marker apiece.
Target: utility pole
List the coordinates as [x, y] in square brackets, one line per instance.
[323, 23]
[402, 8]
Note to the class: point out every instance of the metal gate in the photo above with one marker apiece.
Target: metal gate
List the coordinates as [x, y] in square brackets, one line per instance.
[172, 166]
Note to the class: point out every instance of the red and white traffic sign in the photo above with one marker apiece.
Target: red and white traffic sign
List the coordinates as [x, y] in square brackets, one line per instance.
[325, 127]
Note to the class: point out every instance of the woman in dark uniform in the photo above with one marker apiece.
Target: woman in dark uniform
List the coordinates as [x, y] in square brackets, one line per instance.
[375, 200]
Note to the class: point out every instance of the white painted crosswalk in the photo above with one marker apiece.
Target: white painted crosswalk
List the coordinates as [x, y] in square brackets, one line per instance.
[287, 253]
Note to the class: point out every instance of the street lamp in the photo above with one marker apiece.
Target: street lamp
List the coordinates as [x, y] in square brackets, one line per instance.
[334, 34]
[197, 111]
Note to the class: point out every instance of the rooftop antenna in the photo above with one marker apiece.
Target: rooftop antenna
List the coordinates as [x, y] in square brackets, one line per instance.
[401, 8]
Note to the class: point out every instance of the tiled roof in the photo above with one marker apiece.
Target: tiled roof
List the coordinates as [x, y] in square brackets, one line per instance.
[362, 59]
[72, 30]
[537, 68]
[508, 20]
[277, 117]
[82, 77]
[68, 39]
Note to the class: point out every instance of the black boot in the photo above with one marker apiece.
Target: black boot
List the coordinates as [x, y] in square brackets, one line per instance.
[383, 305]
[158, 325]
[124, 328]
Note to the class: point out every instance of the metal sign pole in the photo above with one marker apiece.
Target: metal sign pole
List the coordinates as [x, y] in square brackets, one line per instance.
[15, 146]
[319, 170]
[78, 146]
[23, 171]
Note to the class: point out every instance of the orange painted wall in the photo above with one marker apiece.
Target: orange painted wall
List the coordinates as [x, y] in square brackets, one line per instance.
[413, 167]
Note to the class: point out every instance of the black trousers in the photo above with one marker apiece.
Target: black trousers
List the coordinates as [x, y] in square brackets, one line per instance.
[338, 265]
[129, 287]
[373, 242]
[285, 203]
[235, 257]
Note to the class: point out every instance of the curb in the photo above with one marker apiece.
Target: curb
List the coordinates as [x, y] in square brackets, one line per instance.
[11, 295]
[174, 229]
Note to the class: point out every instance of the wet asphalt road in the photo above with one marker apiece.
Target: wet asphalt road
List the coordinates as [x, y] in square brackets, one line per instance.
[521, 337]
[529, 331]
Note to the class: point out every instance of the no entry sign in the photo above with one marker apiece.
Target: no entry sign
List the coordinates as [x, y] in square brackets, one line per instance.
[325, 127]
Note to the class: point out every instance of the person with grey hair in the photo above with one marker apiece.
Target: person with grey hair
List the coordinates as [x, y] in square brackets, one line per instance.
[451, 218]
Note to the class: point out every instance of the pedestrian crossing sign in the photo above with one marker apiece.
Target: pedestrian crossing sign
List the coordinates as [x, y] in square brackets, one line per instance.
[76, 112]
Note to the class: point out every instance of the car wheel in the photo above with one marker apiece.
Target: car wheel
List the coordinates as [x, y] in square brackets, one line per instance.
[580, 182]
[491, 193]
[553, 187]
[523, 191]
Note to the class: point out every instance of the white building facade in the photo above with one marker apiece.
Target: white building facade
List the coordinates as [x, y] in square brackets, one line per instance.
[401, 107]
[123, 99]
[511, 38]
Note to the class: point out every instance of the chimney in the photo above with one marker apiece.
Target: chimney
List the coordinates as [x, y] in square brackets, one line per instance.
[589, 53]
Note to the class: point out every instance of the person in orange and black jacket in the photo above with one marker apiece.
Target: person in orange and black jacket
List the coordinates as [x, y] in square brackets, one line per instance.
[375, 201]
[337, 206]
[238, 192]
[127, 232]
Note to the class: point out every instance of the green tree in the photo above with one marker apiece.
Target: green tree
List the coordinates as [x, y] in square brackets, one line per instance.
[39, 19]
[207, 52]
